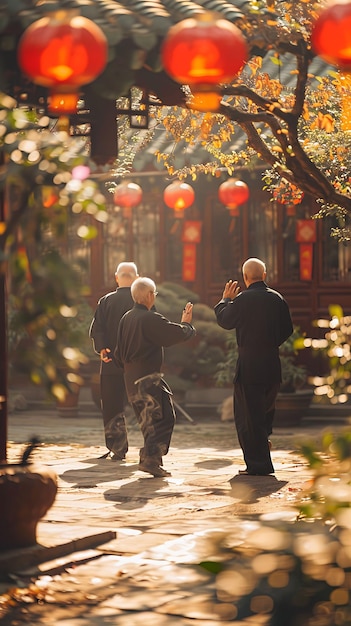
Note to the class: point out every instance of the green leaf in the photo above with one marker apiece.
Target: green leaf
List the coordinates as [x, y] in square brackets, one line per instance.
[276, 61]
[212, 566]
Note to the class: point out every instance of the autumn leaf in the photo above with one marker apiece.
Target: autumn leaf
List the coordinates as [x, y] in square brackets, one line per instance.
[305, 112]
[323, 122]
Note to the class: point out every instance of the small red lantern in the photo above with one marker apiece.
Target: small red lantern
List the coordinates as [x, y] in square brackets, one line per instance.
[62, 51]
[204, 52]
[232, 193]
[290, 210]
[127, 195]
[49, 196]
[331, 34]
[179, 196]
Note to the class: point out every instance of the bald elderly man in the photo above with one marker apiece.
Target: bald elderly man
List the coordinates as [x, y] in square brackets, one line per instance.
[262, 321]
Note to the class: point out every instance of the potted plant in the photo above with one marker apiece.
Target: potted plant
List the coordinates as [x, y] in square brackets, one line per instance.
[27, 491]
[295, 395]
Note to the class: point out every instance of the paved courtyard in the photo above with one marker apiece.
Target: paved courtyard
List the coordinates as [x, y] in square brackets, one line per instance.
[121, 547]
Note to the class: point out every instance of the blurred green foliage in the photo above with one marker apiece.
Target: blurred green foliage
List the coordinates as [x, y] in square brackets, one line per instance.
[328, 496]
[47, 337]
[334, 383]
[48, 322]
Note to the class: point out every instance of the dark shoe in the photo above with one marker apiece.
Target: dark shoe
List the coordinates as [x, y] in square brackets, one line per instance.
[104, 456]
[247, 473]
[152, 467]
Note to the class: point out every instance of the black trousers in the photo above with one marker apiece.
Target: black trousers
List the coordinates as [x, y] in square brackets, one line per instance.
[254, 407]
[113, 402]
[156, 417]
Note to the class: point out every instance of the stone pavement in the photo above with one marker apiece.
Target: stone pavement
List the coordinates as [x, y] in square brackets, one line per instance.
[121, 547]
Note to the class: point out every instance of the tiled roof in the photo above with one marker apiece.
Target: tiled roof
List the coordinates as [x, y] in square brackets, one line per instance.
[126, 18]
[134, 30]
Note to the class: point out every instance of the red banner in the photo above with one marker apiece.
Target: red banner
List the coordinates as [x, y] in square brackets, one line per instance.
[189, 262]
[306, 261]
[306, 231]
[191, 231]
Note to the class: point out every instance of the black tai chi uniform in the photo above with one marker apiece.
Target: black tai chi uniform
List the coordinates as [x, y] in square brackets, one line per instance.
[103, 331]
[262, 321]
[142, 334]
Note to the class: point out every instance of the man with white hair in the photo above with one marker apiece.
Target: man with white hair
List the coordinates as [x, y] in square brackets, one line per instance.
[142, 335]
[103, 331]
[262, 321]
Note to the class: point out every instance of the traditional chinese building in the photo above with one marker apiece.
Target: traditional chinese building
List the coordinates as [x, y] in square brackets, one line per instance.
[207, 245]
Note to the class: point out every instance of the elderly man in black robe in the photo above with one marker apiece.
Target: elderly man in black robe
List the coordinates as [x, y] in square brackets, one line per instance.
[103, 331]
[142, 335]
[261, 317]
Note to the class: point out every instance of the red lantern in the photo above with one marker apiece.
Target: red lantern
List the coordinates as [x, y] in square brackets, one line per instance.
[62, 51]
[331, 34]
[204, 52]
[179, 196]
[127, 195]
[232, 193]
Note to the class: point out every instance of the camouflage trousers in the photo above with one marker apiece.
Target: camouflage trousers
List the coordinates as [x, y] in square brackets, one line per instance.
[116, 436]
[153, 407]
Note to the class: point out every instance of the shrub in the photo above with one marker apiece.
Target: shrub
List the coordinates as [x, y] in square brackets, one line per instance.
[294, 376]
[194, 361]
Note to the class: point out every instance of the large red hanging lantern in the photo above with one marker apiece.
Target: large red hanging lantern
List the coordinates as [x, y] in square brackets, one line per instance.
[62, 51]
[127, 195]
[331, 40]
[204, 52]
[232, 193]
[179, 196]
[331, 34]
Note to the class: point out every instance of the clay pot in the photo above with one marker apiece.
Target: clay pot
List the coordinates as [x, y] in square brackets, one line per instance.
[291, 408]
[27, 491]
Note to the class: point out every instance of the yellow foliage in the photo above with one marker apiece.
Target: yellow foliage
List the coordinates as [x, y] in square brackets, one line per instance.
[254, 64]
[205, 129]
[268, 87]
[323, 122]
[305, 112]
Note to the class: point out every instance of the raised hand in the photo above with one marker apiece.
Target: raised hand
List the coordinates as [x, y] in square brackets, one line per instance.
[187, 314]
[231, 289]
